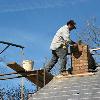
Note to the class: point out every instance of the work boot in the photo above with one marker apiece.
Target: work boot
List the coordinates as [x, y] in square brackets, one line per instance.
[64, 73]
[69, 70]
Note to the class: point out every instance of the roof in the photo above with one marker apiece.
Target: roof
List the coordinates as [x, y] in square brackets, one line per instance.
[74, 88]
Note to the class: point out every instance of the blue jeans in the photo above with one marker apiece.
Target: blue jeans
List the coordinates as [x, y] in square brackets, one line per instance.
[59, 53]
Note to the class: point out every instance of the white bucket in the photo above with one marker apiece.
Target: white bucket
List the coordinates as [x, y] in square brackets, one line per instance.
[28, 65]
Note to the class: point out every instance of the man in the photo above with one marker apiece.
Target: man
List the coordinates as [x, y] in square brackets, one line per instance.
[59, 46]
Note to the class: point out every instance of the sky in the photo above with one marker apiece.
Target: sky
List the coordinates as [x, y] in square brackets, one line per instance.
[33, 23]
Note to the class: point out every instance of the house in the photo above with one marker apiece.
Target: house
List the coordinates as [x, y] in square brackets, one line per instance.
[83, 84]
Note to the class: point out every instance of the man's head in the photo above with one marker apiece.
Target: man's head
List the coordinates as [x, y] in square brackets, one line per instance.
[71, 25]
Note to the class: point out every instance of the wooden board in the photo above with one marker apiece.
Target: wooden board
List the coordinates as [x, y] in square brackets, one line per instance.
[38, 77]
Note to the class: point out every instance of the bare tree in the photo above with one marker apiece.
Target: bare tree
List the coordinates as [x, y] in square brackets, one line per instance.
[14, 93]
[90, 35]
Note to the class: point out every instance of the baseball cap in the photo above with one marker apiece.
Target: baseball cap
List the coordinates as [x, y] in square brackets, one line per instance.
[72, 22]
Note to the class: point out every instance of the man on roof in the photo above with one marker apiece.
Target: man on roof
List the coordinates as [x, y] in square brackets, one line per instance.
[59, 46]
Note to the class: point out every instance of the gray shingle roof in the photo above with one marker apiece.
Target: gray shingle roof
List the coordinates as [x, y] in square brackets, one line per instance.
[74, 88]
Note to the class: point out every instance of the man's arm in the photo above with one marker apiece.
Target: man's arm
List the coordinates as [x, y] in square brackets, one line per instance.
[73, 43]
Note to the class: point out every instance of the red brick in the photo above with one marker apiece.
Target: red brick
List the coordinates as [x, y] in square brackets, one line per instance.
[80, 62]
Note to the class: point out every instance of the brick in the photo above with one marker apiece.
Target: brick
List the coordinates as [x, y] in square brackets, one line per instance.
[80, 63]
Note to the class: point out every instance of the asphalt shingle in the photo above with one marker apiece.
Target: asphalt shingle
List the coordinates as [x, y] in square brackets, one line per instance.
[74, 88]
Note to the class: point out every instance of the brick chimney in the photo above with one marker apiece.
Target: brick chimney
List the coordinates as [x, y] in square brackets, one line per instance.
[82, 60]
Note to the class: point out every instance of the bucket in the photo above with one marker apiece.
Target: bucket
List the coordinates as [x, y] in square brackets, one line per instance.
[28, 65]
